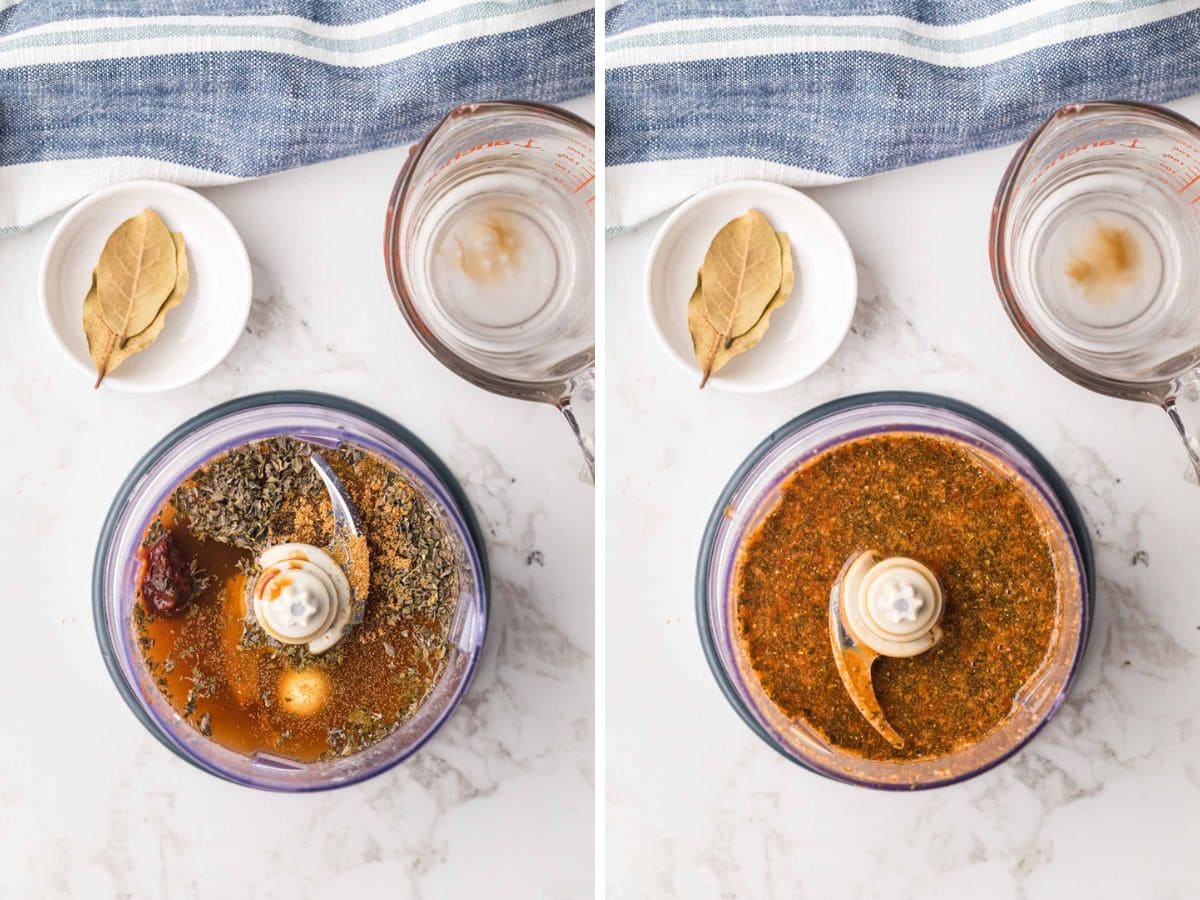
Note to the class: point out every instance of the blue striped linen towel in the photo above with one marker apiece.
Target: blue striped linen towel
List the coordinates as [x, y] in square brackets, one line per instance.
[811, 92]
[205, 92]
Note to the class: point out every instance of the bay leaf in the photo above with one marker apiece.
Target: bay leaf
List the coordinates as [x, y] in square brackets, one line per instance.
[749, 339]
[710, 349]
[136, 273]
[102, 341]
[741, 273]
[706, 340]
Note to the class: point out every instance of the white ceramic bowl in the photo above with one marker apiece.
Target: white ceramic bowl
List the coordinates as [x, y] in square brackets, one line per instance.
[199, 333]
[804, 332]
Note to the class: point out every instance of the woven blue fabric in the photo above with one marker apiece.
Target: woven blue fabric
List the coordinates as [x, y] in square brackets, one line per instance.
[241, 88]
[841, 89]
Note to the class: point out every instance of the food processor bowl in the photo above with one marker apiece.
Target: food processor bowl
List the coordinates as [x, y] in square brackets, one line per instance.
[755, 489]
[325, 421]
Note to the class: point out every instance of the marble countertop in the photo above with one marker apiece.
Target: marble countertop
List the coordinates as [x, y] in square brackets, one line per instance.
[499, 802]
[1105, 802]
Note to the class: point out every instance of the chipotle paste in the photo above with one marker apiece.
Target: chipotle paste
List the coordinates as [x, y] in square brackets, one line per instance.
[931, 498]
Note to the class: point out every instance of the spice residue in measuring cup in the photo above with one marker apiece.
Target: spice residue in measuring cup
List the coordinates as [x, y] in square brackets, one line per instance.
[909, 495]
[223, 674]
[1105, 262]
[488, 249]
[497, 265]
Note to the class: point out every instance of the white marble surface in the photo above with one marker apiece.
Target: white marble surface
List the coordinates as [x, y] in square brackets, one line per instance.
[1104, 803]
[498, 803]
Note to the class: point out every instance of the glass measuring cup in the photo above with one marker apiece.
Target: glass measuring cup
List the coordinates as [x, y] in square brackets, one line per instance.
[1095, 251]
[489, 249]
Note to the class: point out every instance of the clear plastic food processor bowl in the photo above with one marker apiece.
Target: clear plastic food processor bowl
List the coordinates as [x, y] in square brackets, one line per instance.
[326, 421]
[753, 492]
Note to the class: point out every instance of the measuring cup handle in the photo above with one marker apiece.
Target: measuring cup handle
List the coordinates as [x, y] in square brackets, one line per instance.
[1183, 406]
[578, 404]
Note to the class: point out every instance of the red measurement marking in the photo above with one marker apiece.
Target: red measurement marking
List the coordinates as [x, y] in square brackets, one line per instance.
[529, 144]
[1082, 147]
[584, 184]
[1189, 184]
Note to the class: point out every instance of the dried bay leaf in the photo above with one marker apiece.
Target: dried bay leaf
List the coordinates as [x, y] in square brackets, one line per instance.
[740, 274]
[707, 342]
[744, 342]
[102, 341]
[136, 273]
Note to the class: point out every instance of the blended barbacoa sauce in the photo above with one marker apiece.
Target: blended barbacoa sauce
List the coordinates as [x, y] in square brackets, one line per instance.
[931, 499]
[204, 652]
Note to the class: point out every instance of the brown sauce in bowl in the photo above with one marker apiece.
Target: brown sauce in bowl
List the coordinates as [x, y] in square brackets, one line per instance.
[931, 498]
